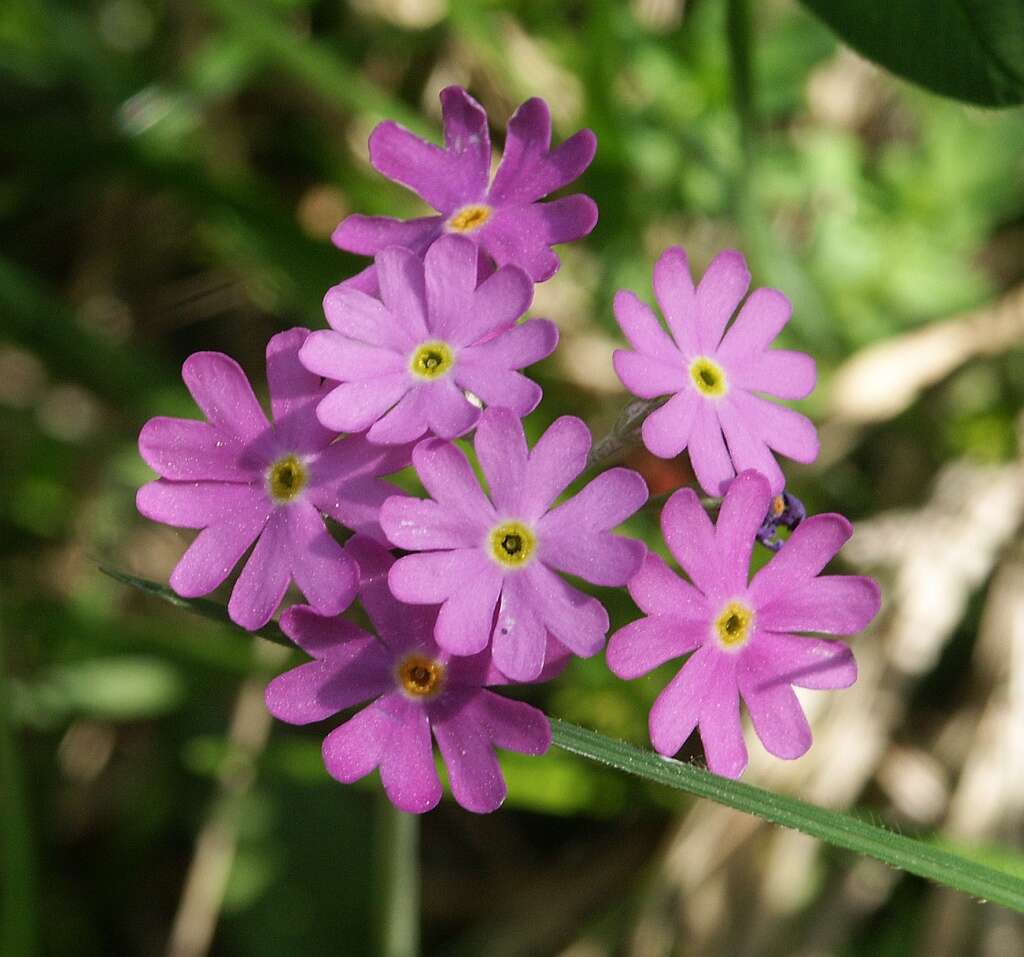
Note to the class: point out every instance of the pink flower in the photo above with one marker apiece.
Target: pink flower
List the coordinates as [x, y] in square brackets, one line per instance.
[241, 480]
[742, 636]
[489, 562]
[414, 689]
[403, 363]
[503, 218]
[712, 377]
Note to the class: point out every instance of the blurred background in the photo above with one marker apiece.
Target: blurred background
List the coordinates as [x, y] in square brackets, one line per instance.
[172, 172]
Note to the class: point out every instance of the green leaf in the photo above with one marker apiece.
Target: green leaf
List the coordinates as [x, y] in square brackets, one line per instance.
[200, 606]
[970, 50]
[834, 827]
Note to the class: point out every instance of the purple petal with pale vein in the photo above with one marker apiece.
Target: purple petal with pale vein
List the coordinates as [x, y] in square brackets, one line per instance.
[265, 576]
[558, 457]
[403, 290]
[423, 524]
[466, 618]
[321, 636]
[449, 479]
[405, 423]
[467, 140]
[429, 578]
[334, 356]
[649, 378]
[658, 590]
[606, 501]
[501, 449]
[578, 621]
[648, 643]
[407, 762]
[787, 432]
[520, 639]
[513, 725]
[324, 573]
[188, 450]
[640, 326]
[354, 749]
[198, 504]
[831, 604]
[355, 406]
[673, 288]
[761, 319]
[356, 315]
[499, 387]
[224, 394]
[516, 348]
[668, 430]
[708, 454]
[317, 690]
[776, 714]
[804, 554]
[450, 276]
[429, 171]
[556, 657]
[496, 305]
[529, 168]
[600, 558]
[449, 413]
[473, 770]
[739, 519]
[215, 552]
[368, 235]
[677, 708]
[805, 662]
[690, 537]
[523, 235]
[720, 729]
[779, 372]
[747, 449]
[719, 292]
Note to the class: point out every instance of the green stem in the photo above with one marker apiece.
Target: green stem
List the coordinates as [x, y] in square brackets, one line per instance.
[18, 924]
[397, 849]
[624, 434]
[739, 35]
[842, 830]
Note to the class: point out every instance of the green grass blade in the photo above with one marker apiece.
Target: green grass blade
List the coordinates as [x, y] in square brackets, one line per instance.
[200, 606]
[842, 830]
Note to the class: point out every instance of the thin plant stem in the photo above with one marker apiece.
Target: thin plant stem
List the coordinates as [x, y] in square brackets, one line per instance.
[18, 909]
[624, 434]
[397, 853]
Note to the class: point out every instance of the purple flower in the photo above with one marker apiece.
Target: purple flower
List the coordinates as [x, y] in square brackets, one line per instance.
[483, 555]
[414, 688]
[403, 363]
[503, 217]
[242, 480]
[743, 636]
[712, 377]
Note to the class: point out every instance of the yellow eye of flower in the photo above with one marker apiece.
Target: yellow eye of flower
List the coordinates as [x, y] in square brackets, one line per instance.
[709, 377]
[420, 677]
[734, 625]
[512, 544]
[469, 218]
[431, 360]
[287, 478]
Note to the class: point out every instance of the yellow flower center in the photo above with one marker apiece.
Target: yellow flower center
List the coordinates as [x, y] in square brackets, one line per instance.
[709, 377]
[431, 360]
[512, 544]
[420, 676]
[778, 506]
[469, 218]
[287, 478]
[733, 625]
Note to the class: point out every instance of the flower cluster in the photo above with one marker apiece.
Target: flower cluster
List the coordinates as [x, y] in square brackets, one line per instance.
[427, 345]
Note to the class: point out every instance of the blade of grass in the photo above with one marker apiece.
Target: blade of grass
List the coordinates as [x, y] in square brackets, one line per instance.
[834, 827]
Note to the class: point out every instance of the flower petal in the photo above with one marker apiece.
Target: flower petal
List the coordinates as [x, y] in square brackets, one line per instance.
[450, 267]
[449, 479]
[520, 639]
[668, 430]
[558, 457]
[188, 450]
[708, 455]
[405, 423]
[803, 555]
[422, 524]
[429, 171]
[466, 619]
[322, 636]
[355, 406]
[599, 558]
[467, 141]
[222, 391]
[787, 432]
[356, 504]
[265, 576]
[216, 551]
[640, 326]
[831, 604]
[407, 761]
[647, 643]
[719, 293]
[324, 573]
[356, 315]
[658, 590]
[449, 413]
[429, 578]
[473, 769]
[334, 356]
[746, 448]
[501, 449]
[721, 731]
[673, 288]
[354, 749]
[779, 372]
[403, 290]
[677, 709]
[690, 536]
[761, 319]
[739, 519]
[293, 391]
[602, 504]
[806, 662]
[513, 725]
[516, 348]
[778, 719]
[368, 235]
[500, 387]
[649, 378]
[578, 621]
[198, 504]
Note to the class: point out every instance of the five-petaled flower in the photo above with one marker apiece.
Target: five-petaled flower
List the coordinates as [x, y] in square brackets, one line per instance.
[241, 480]
[503, 217]
[414, 689]
[711, 373]
[743, 636]
[489, 561]
[403, 363]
